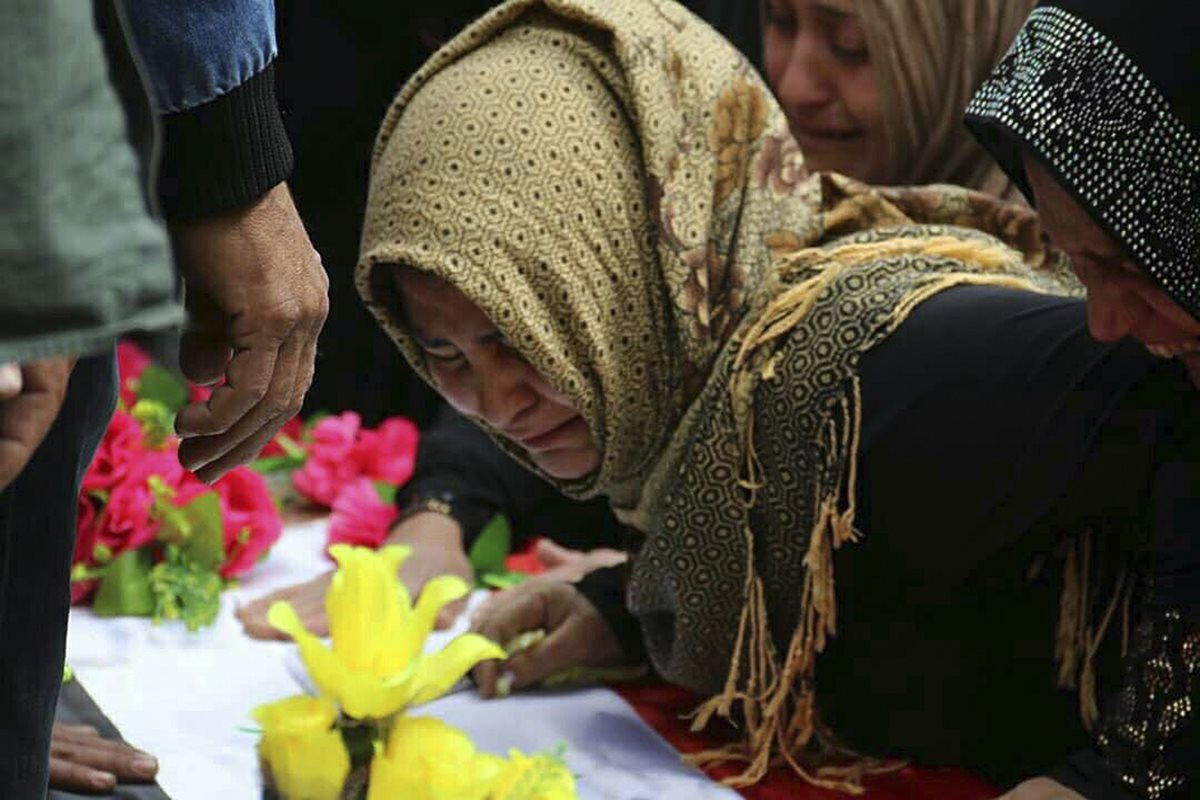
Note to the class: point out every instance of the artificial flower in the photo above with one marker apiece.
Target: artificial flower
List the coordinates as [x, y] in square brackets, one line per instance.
[376, 666]
[292, 430]
[329, 466]
[119, 450]
[249, 518]
[127, 522]
[302, 751]
[426, 759]
[388, 453]
[360, 516]
[542, 776]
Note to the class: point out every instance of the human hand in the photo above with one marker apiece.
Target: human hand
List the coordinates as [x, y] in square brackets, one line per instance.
[29, 404]
[436, 541]
[257, 297]
[565, 564]
[576, 635]
[83, 761]
[1041, 789]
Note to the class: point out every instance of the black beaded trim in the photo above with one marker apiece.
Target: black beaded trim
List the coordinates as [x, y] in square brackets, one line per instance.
[1069, 94]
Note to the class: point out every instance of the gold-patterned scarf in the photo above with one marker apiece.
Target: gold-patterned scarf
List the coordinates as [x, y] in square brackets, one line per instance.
[929, 58]
[612, 184]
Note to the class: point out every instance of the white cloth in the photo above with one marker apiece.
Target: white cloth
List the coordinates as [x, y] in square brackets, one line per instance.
[186, 698]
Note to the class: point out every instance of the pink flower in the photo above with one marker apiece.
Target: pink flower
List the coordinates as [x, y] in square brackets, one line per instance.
[249, 517]
[329, 466]
[119, 450]
[131, 362]
[360, 517]
[389, 452]
[126, 522]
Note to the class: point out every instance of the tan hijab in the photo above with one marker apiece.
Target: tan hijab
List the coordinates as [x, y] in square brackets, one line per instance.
[612, 184]
[929, 57]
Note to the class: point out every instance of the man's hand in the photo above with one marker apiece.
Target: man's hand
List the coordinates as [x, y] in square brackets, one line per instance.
[257, 297]
[436, 541]
[30, 401]
[576, 635]
[83, 761]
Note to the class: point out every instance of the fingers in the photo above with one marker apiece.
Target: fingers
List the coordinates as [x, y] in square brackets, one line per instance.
[10, 380]
[211, 456]
[26, 418]
[307, 598]
[560, 649]
[449, 613]
[553, 554]
[83, 761]
[204, 347]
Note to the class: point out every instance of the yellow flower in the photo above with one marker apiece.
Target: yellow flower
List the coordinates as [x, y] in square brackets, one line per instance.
[376, 667]
[426, 759]
[302, 751]
[538, 777]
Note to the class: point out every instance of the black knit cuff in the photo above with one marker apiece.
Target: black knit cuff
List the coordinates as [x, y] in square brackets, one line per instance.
[605, 590]
[225, 154]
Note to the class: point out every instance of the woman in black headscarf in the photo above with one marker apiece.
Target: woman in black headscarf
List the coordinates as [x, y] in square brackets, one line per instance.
[1095, 114]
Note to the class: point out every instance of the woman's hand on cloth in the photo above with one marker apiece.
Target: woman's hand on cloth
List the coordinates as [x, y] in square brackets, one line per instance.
[83, 761]
[576, 635]
[436, 542]
[1041, 789]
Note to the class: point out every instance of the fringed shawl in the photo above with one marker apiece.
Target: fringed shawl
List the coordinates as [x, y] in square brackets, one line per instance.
[611, 183]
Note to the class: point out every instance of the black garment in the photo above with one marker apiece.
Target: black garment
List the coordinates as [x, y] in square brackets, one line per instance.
[37, 540]
[210, 159]
[1106, 94]
[992, 425]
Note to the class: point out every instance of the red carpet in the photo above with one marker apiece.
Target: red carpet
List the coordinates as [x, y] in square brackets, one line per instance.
[664, 707]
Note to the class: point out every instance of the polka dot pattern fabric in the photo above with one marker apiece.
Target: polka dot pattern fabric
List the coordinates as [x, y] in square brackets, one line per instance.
[1070, 95]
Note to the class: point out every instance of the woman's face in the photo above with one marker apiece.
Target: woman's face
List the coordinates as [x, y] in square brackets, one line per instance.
[481, 376]
[1121, 300]
[818, 65]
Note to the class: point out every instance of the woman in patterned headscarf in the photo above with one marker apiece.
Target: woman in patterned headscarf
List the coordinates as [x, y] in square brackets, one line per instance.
[875, 88]
[588, 229]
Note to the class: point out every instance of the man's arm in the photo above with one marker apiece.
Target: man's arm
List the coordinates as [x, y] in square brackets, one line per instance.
[255, 287]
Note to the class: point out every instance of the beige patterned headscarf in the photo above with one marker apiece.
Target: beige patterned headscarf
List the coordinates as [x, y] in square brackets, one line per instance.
[929, 57]
[612, 184]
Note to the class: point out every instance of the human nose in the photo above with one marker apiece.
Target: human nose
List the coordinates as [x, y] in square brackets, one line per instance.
[805, 82]
[504, 392]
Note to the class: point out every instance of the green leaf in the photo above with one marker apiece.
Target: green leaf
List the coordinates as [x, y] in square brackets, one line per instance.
[125, 590]
[205, 545]
[386, 491]
[270, 464]
[492, 547]
[163, 386]
[502, 580]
